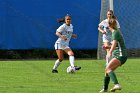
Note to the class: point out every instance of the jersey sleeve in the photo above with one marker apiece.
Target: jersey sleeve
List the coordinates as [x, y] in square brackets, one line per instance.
[60, 29]
[118, 25]
[101, 24]
[116, 35]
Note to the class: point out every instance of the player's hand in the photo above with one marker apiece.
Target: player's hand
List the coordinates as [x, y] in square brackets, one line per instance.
[103, 32]
[63, 37]
[74, 36]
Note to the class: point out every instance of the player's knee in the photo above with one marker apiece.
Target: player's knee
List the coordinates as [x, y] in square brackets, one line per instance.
[107, 70]
[60, 59]
[71, 54]
[106, 74]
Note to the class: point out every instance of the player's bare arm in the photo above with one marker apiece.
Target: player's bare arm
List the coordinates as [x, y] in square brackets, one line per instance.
[113, 46]
[102, 31]
[61, 36]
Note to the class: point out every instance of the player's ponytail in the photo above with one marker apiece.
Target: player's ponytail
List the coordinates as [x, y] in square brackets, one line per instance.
[114, 17]
[62, 20]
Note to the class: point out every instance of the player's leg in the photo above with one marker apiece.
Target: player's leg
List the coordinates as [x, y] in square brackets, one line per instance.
[71, 58]
[107, 46]
[106, 83]
[58, 61]
[59, 52]
[113, 64]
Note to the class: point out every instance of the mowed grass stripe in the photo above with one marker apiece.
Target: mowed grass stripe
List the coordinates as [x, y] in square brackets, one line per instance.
[35, 76]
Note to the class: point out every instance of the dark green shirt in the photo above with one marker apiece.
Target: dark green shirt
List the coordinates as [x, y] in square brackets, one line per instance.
[120, 48]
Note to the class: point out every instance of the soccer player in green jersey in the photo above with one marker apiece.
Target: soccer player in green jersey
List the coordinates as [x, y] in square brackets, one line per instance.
[119, 54]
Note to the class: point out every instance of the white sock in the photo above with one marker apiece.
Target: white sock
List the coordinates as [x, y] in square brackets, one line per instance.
[57, 63]
[71, 59]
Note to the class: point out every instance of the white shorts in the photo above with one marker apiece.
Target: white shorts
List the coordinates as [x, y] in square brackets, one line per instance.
[106, 38]
[60, 46]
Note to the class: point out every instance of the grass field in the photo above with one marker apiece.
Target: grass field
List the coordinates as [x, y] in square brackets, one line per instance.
[35, 76]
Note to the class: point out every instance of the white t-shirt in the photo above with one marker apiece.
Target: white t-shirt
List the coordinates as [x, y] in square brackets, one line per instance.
[67, 31]
[104, 24]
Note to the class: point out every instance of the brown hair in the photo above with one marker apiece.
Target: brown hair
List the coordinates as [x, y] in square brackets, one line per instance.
[113, 16]
[112, 23]
[62, 20]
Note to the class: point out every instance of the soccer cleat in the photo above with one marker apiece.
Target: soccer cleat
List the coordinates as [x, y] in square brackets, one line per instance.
[77, 68]
[116, 87]
[103, 90]
[54, 71]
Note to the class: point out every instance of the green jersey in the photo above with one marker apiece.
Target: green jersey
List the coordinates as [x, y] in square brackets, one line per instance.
[120, 48]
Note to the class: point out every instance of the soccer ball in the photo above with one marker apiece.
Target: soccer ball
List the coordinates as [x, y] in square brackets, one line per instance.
[70, 69]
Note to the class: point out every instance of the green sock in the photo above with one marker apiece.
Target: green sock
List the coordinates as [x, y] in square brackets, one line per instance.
[113, 77]
[106, 82]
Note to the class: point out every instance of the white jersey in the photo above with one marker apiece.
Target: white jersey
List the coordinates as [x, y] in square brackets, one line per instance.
[104, 24]
[66, 31]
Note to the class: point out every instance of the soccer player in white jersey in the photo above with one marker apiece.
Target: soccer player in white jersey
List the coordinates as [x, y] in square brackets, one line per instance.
[64, 33]
[103, 28]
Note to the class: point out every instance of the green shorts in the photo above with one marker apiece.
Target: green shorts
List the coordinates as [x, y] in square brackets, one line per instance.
[122, 59]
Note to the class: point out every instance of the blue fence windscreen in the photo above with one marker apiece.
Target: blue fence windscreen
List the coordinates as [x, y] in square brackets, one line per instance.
[30, 24]
[128, 14]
